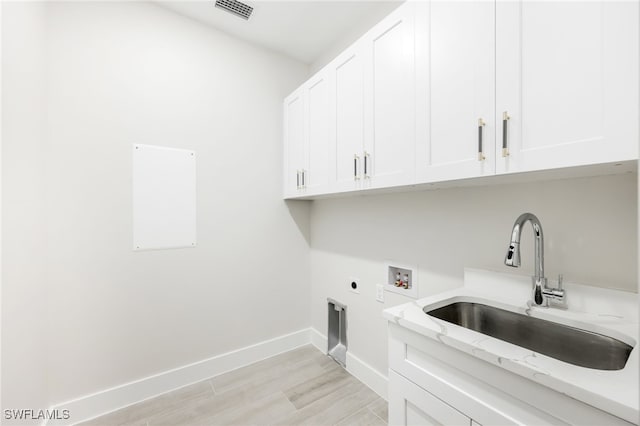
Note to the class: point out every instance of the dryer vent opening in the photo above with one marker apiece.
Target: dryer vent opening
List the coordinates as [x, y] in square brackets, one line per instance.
[235, 7]
[337, 333]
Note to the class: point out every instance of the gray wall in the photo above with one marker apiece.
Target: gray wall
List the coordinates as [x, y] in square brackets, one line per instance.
[590, 229]
[118, 74]
[24, 243]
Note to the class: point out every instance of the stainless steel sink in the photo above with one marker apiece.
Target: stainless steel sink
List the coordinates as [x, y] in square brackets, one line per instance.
[568, 344]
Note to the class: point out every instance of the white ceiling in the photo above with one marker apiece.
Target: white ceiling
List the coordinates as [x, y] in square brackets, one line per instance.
[301, 29]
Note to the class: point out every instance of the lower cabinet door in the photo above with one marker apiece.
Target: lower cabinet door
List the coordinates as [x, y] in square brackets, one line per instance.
[409, 404]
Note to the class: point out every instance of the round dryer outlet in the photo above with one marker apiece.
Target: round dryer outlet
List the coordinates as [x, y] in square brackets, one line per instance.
[354, 285]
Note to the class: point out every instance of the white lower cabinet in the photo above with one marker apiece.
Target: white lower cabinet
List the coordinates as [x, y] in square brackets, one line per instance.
[413, 405]
[433, 384]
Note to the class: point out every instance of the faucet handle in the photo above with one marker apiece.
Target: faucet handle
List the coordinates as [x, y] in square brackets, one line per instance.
[560, 278]
[556, 296]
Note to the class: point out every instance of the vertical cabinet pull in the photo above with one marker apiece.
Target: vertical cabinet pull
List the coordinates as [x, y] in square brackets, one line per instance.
[301, 178]
[356, 160]
[367, 166]
[481, 124]
[505, 146]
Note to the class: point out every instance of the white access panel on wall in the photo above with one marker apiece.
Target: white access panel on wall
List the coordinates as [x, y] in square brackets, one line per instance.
[164, 198]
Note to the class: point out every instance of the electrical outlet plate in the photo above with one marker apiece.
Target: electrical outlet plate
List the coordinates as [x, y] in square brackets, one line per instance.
[380, 293]
[350, 284]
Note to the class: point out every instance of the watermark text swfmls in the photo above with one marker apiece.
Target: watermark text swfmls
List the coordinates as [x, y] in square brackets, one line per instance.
[31, 414]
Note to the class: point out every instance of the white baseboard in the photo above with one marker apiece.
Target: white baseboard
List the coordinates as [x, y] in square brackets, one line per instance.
[319, 340]
[356, 367]
[108, 400]
[367, 375]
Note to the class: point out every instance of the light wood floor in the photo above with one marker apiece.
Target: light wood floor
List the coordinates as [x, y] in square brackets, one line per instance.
[300, 387]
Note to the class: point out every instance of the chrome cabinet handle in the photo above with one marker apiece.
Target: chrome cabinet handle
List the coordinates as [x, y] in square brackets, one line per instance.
[505, 146]
[356, 160]
[303, 172]
[298, 179]
[481, 124]
[367, 160]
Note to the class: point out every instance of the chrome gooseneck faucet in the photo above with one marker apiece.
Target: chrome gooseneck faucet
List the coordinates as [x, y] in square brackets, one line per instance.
[541, 293]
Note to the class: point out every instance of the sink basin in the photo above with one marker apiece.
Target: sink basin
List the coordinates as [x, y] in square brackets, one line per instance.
[568, 344]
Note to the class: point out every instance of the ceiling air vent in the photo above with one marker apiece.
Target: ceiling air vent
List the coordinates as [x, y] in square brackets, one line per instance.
[237, 8]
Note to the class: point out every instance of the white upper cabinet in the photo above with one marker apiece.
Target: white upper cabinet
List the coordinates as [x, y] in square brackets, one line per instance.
[389, 76]
[443, 90]
[316, 138]
[346, 75]
[293, 143]
[306, 137]
[455, 59]
[567, 80]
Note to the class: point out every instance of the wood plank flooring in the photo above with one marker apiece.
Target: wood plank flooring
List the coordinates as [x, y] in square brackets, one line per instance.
[300, 387]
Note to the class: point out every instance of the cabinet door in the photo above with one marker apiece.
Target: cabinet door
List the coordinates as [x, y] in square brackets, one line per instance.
[409, 404]
[567, 80]
[389, 154]
[293, 142]
[347, 119]
[315, 173]
[456, 84]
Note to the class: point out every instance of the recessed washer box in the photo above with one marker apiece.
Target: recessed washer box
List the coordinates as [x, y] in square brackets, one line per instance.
[401, 278]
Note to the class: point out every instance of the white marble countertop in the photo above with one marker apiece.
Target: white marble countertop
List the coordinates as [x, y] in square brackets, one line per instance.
[609, 312]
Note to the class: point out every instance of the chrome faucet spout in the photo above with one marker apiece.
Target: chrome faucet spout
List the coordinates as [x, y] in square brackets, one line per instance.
[541, 293]
[513, 254]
